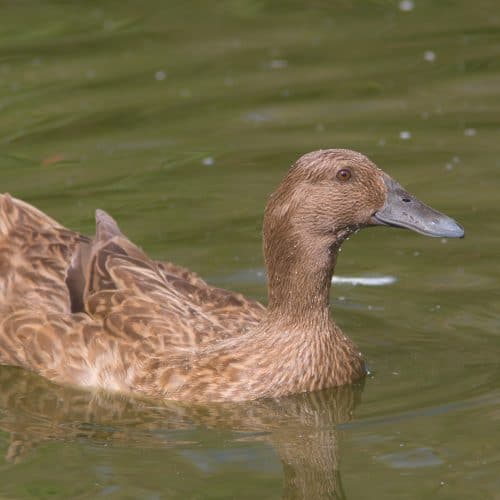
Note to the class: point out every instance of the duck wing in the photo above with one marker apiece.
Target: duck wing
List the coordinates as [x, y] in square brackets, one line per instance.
[122, 286]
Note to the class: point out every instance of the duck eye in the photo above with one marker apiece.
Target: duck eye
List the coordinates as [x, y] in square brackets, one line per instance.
[344, 174]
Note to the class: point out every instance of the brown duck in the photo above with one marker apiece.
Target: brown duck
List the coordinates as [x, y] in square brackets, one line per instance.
[99, 313]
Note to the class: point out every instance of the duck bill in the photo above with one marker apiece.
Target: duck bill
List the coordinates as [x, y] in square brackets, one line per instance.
[402, 209]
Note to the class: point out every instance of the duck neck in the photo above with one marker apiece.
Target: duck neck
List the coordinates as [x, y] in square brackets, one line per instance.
[299, 280]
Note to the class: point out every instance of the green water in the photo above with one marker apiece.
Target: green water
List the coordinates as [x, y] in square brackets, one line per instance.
[179, 118]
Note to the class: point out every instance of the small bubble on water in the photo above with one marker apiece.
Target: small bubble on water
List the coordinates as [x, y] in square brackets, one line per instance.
[406, 5]
[456, 159]
[405, 135]
[160, 75]
[416, 253]
[429, 55]
[470, 132]
[257, 117]
[449, 167]
[278, 64]
[444, 241]
[208, 161]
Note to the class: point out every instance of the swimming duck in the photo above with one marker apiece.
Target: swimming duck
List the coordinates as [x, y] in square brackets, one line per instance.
[99, 313]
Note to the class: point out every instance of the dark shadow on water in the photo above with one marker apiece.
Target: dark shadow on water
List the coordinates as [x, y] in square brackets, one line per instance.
[302, 428]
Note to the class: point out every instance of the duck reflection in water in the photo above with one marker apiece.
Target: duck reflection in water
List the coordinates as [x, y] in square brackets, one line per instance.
[300, 428]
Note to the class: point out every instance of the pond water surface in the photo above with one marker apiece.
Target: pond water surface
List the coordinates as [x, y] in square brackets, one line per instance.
[179, 118]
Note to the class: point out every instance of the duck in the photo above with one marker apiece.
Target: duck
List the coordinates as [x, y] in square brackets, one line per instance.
[98, 313]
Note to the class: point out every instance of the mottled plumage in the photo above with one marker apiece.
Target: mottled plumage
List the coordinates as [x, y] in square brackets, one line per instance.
[100, 313]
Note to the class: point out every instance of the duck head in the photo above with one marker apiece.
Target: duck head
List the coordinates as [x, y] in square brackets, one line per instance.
[331, 193]
[326, 196]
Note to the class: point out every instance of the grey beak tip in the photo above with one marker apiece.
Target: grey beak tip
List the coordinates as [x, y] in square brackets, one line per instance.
[449, 228]
[459, 232]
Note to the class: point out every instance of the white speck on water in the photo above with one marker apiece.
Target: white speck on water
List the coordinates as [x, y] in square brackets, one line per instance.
[425, 115]
[370, 307]
[416, 253]
[364, 280]
[442, 483]
[401, 445]
[405, 135]
[395, 373]
[406, 5]
[381, 142]
[455, 159]
[429, 55]
[160, 75]
[444, 241]
[341, 298]
[278, 64]
[208, 161]
[470, 132]
[449, 167]
[411, 458]
[257, 117]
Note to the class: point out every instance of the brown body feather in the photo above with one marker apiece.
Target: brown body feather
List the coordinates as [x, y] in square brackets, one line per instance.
[101, 313]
